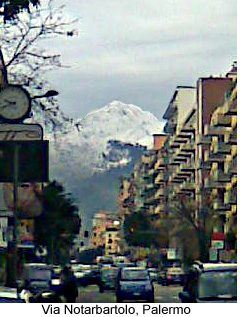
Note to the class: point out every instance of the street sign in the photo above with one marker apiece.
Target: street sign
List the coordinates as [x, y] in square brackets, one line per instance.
[21, 132]
[218, 244]
[32, 161]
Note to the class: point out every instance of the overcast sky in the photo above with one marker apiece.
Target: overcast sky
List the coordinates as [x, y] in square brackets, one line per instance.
[138, 51]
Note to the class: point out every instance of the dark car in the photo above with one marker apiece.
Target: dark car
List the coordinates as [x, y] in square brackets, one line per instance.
[108, 278]
[210, 283]
[134, 283]
[92, 277]
[172, 275]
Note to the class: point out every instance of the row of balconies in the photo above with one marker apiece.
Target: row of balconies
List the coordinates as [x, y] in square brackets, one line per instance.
[179, 164]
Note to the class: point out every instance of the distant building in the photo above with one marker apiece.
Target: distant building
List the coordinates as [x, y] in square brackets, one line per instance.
[105, 232]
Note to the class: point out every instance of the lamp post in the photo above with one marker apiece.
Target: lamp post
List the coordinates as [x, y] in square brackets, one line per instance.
[12, 271]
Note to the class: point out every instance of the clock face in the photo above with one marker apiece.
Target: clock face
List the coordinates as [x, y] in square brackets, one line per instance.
[14, 103]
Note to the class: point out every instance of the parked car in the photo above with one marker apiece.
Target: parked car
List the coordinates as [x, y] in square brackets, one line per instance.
[80, 271]
[153, 273]
[173, 275]
[134, 283]
[108, 278]
[12, 295]
[92, 277]
[36, 277]
[210, 283]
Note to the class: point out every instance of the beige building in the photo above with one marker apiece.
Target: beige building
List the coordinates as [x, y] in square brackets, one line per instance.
[105, 232]
[197, 158]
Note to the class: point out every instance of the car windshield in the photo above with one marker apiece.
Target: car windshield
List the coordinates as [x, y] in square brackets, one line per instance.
[134, 275]
[110, 273]
[39, 274]
[222, 284]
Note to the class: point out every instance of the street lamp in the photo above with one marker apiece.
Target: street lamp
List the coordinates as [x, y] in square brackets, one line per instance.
[49, 93]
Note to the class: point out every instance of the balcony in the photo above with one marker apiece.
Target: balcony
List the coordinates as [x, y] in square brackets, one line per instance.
[180, 153]
[188, 167]
[188, 186]
[203, 139]
[159, 193]
[188, 147]
[232, 137]
[221, 148]
[230, 197]
[220, 206]
[221, 177]
[211, 184]
[160, 178]
[232, 166]
[178, 179]
[170, 127]
[221, 120]
[160, 164]
[230, 107]
[214, 157]
[216, 131]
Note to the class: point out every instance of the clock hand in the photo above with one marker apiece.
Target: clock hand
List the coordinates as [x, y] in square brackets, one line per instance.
[10, 102]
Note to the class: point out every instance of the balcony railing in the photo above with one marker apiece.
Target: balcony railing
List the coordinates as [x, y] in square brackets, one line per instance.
[219, 205]
[221, 120]
[211, 184]
[221, 177]
[159, 193]
[220, 147]
[230, 197]
[214, 157]
[203, 139]
[216, 131]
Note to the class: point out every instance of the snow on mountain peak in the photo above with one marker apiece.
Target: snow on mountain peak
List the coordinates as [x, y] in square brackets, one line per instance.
[78, 147]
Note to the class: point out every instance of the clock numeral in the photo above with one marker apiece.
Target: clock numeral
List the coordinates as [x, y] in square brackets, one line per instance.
[9, 135]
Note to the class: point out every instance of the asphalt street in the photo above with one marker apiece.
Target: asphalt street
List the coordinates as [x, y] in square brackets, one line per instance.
[163, 294]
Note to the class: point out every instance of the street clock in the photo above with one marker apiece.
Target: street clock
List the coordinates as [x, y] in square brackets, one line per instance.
[15, 104]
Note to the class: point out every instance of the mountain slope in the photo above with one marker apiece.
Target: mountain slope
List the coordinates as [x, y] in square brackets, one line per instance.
[80, 149]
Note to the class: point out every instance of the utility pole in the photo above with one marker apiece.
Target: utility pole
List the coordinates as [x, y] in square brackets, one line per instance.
[15, 210]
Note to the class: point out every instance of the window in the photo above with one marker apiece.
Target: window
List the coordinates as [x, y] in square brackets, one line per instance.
[135, 275]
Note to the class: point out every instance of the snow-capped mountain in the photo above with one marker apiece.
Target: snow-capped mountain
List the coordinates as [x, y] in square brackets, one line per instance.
[80, 149]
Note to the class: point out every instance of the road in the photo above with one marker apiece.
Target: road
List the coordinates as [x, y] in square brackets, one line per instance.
[163, 294]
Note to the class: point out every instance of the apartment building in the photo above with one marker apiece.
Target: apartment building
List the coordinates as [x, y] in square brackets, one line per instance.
[179, 149]
[105, 232]
[195, 158]
[220, 157]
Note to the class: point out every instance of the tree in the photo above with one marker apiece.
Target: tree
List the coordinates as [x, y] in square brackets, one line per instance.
[22, 54]
[9, 9]
[194, 232]
[58, 224]
[140, 230]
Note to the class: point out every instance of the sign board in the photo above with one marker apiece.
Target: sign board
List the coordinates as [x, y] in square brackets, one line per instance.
[218, 244]
[33, 161]
[171, 254]
[213, 255]
[21, 132]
